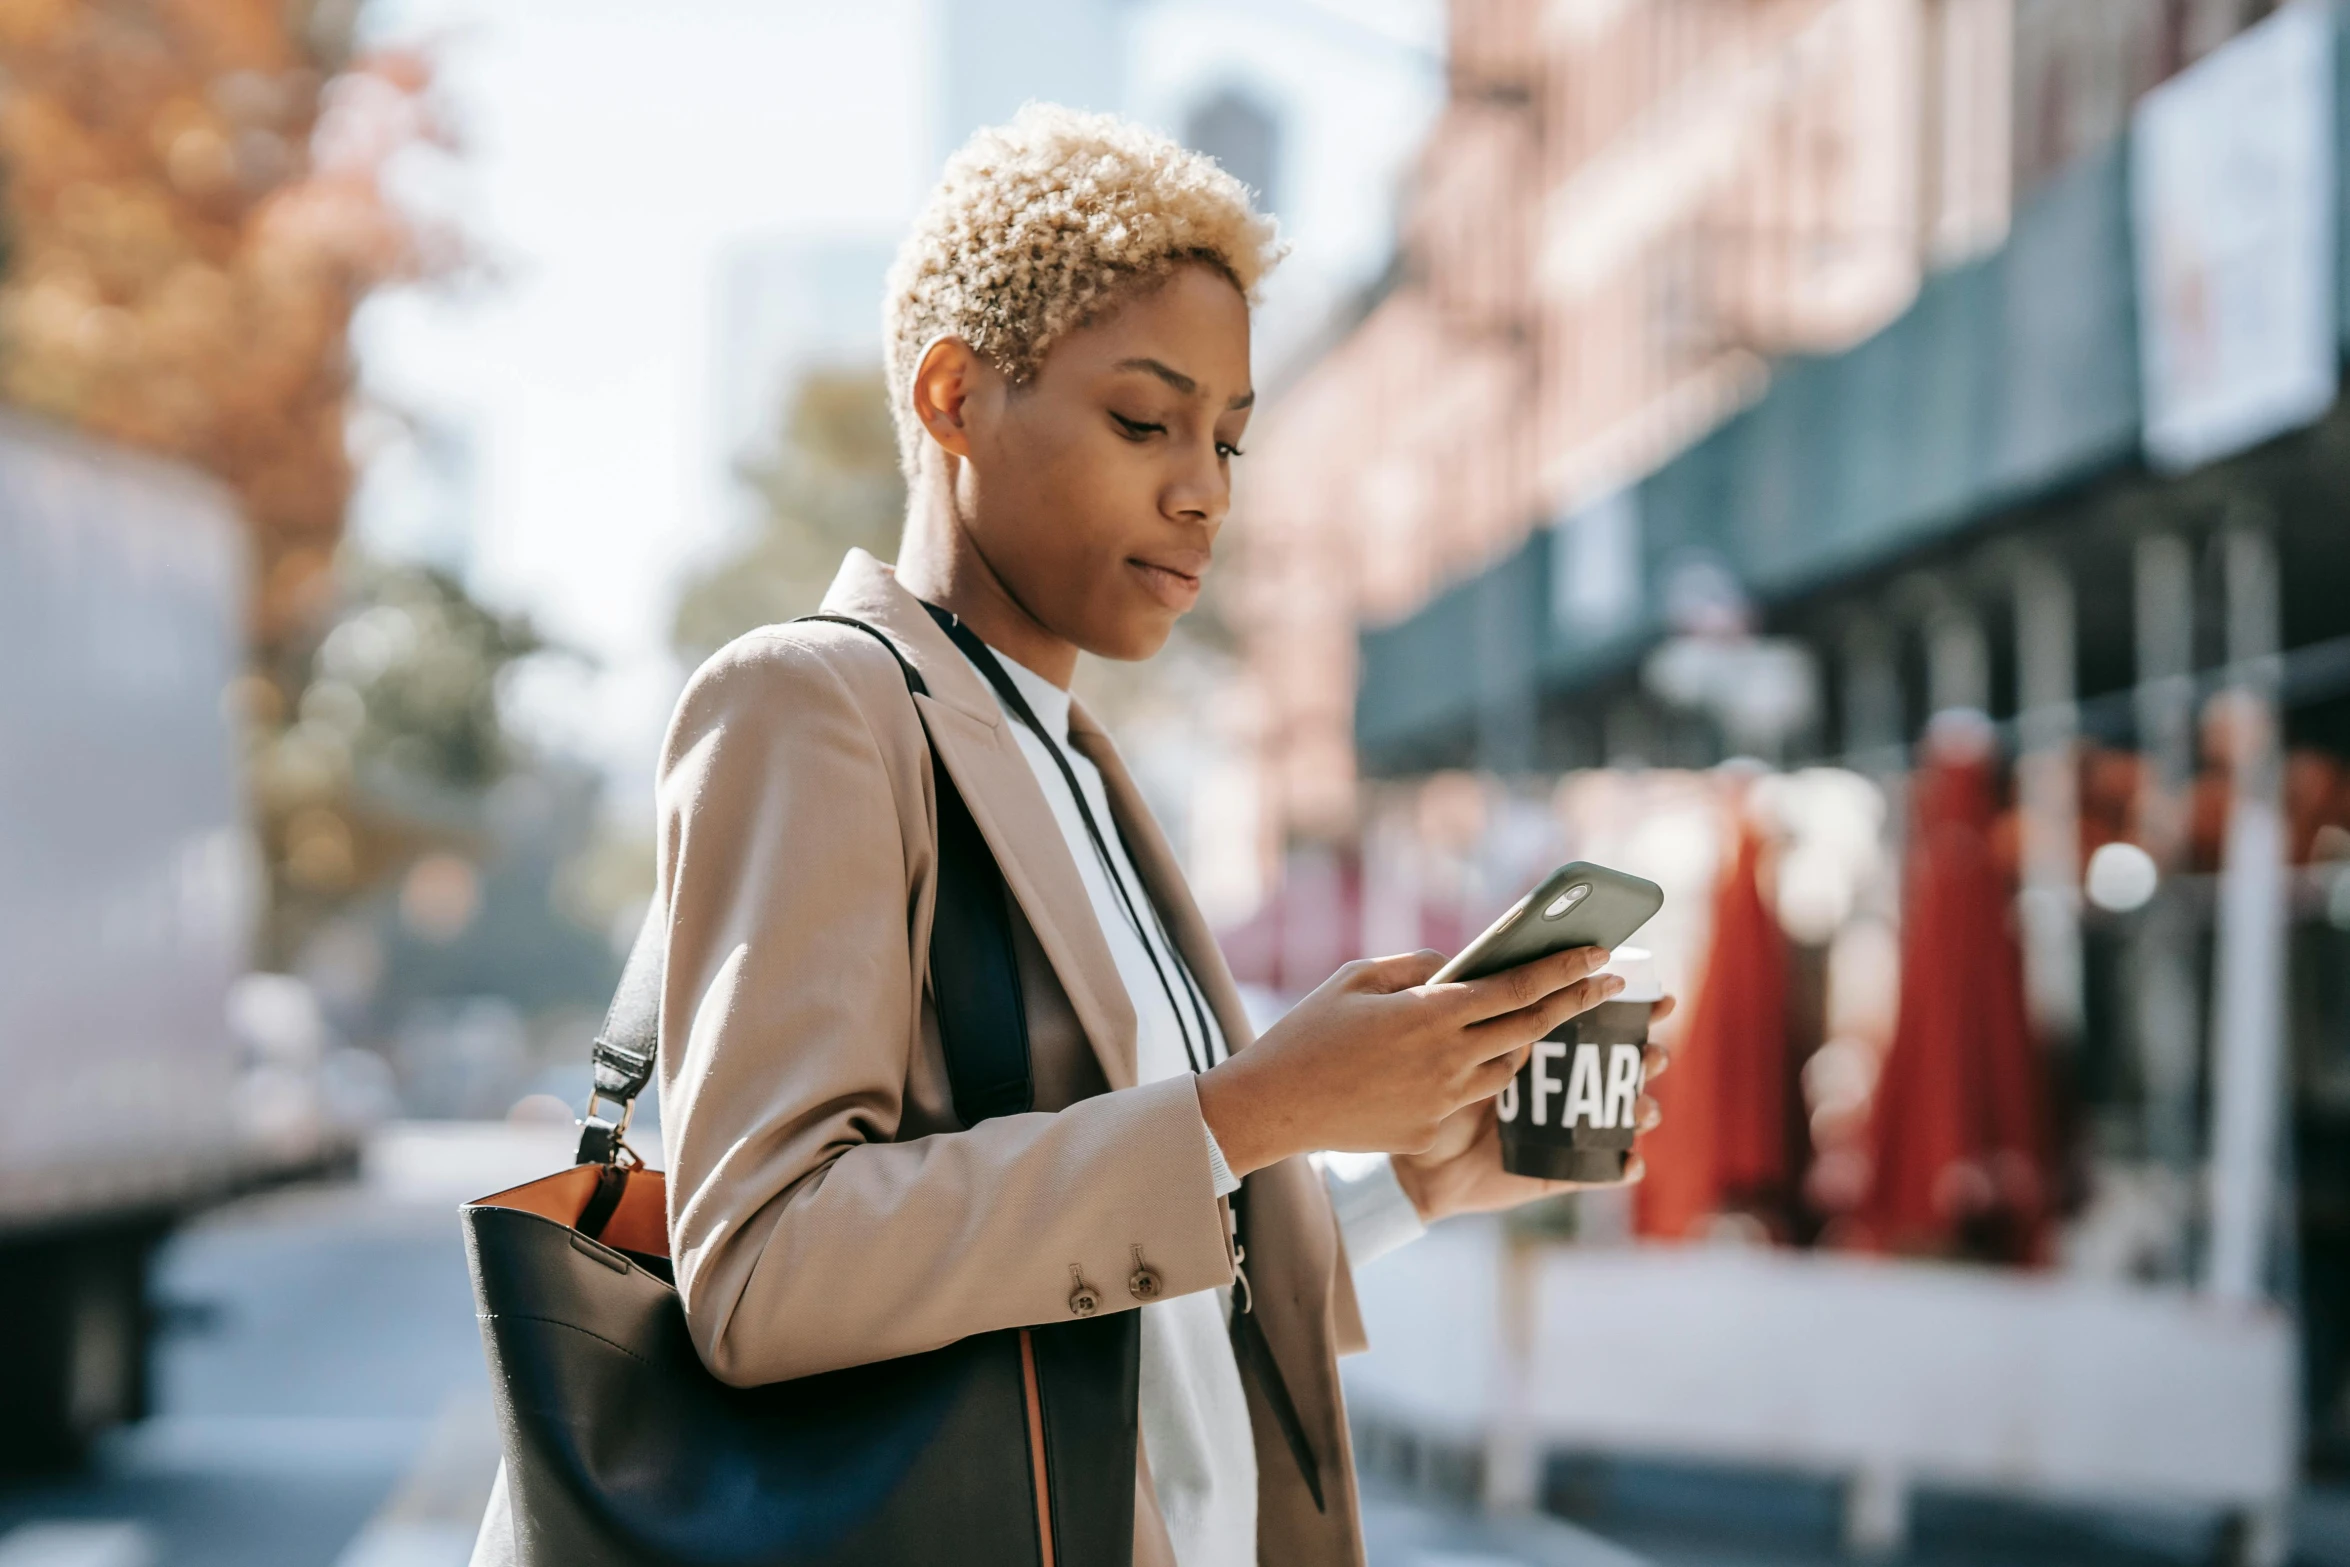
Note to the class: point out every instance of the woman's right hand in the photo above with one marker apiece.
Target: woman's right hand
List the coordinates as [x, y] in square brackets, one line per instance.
[1375, 1059]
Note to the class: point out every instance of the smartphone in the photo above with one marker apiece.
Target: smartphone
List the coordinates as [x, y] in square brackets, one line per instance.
[1577, 905]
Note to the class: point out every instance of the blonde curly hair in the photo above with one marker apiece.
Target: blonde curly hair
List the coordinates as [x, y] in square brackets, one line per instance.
[1039, 225]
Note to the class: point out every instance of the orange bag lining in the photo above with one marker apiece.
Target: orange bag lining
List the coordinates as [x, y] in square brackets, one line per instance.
[640, 1224]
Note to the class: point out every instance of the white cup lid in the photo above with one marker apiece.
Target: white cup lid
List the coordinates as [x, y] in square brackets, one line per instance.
[1637, 967]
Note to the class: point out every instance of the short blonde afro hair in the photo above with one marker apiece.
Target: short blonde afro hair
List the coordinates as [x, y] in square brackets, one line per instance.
[1038, 225]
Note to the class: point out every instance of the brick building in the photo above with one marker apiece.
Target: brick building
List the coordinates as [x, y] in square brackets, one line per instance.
[1626, 212]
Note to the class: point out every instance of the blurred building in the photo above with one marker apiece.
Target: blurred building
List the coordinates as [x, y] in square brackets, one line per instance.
[787, 307]
[1943, 393]
[1622, 212]
[1624, 216]
[988, 60]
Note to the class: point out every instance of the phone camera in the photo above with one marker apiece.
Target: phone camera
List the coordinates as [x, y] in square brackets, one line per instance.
[1567, 900]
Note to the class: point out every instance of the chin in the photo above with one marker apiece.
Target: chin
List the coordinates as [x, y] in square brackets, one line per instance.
[1136, 638]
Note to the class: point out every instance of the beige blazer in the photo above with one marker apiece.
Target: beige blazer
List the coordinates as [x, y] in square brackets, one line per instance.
[826, 1207]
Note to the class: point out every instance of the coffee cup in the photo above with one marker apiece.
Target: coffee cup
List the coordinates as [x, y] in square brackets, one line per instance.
[1571, 1112]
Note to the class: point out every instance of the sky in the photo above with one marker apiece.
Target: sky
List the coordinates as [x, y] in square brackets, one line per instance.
[611, 155]
[614, 156]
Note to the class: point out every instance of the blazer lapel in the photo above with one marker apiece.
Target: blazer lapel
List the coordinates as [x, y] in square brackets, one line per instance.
[1294, 1245]
[971, 738]
[1162, 877]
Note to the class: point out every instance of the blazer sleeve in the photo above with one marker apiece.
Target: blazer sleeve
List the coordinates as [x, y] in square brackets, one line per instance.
[805, 1235]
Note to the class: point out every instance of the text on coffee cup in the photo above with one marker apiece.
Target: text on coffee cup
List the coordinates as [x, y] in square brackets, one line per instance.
[1586, 1099]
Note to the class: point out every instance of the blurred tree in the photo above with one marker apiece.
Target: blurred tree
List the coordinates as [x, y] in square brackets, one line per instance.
[392, 739]
[831, 482]
[411, 671]
[195, 202]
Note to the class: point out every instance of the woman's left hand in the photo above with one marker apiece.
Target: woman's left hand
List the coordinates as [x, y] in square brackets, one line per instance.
[1461, 1171]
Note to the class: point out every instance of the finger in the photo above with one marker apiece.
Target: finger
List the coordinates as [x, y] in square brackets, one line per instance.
[1653, 1062]
[1532, 1023]
[1647, 1115]
[1399, 972]
[1488, 1078]
[1635, 1170]
[1662, 1008]
[1513, 990]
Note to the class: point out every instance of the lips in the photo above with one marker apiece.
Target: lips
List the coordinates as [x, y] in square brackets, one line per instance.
[1167, 582]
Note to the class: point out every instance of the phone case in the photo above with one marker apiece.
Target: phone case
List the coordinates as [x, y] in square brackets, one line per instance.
[1556, 916]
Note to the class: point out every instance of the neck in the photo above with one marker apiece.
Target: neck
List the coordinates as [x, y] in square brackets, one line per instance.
[939, 560]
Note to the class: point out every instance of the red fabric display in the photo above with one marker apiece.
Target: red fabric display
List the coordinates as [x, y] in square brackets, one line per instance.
[1959, 1129]
[1723, 1144]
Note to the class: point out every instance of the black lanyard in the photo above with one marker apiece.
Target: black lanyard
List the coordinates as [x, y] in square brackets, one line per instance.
[1008, 691]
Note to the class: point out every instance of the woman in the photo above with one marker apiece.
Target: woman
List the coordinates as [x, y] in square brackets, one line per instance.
[1068, 341]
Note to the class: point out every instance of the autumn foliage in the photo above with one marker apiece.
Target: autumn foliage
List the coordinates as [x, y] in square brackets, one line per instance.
[195, 201]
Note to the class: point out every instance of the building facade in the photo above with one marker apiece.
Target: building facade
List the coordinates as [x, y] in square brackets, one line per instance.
[1625, 215]
[2031, 467]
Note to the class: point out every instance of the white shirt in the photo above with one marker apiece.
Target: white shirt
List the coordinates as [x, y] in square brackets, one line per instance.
[1194, 1414]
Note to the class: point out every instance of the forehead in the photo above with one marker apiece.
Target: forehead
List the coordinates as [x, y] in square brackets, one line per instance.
[1195, 321]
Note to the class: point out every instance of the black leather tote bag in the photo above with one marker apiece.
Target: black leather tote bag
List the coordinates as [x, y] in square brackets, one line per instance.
[1008, 1449]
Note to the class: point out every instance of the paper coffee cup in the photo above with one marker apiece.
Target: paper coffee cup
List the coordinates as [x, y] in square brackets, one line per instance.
[1636, 966]
[1571, 1112]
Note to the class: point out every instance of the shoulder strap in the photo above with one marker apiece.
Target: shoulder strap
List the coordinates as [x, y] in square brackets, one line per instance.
[974, 967]
[974, 979]
[623, 1054]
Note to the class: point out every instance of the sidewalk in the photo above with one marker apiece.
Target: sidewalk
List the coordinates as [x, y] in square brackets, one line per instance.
[322, 1403]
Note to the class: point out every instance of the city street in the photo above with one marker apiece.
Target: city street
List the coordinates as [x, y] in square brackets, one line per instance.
[320, 1392]
[321, 1403]
[1836, 503]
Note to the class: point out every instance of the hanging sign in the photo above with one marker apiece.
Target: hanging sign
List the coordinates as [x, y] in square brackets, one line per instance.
[2232, 208]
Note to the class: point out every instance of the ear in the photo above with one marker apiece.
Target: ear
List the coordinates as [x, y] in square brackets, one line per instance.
[944, 384]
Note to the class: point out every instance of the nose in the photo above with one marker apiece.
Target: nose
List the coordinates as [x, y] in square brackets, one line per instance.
[1200, 490]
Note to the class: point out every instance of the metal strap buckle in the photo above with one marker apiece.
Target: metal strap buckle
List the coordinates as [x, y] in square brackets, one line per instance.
[619, 1072]
[605, 1142]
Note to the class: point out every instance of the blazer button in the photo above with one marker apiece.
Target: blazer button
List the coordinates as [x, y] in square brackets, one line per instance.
[1083, 1302]
[1143, 1283]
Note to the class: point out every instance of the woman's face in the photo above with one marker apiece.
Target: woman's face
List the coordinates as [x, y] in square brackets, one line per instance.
[1095, 492]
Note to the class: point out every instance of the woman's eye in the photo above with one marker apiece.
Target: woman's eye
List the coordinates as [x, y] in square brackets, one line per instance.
[1228, 451]
[1136, 429]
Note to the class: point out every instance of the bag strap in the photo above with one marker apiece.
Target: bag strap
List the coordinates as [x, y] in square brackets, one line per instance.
[984, 1033]
[974, 966]
[623, 1055]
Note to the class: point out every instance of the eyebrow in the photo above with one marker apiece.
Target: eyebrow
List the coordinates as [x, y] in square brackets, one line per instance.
[1181, 382]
